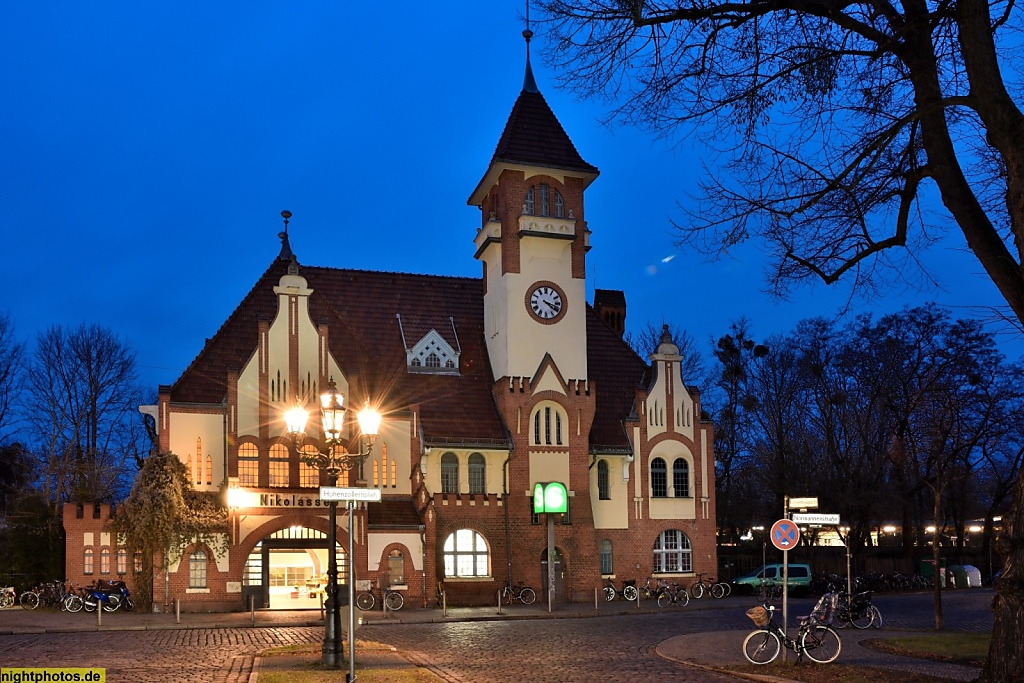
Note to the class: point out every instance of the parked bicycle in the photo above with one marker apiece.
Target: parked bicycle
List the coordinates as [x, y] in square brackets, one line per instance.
[647, 591]
[393, 600]
[673, 594]
[520, 592]
[708, 586]
[815, 637]
[8, 596]
[857, 610]
[628, 591]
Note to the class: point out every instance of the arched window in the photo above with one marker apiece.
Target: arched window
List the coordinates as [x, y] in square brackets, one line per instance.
[449, 473]
[87, 561]
[681, 478]
[104, 560]
[122, 561]
[545, 204]
[659, 478]
[279, 465]
[396, 567]
[209, 470]
[547, 425]
[477, 474]
[559, 206]
[199, 460]
[606, 557]
[465, 554]
[602, 480]
[309, 477]
[248, 464]
[137, 563]
[528, 203]
[197, 569]
[672, 552]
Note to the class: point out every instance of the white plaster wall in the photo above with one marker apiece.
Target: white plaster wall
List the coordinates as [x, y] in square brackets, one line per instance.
[378, 541]
[185, 429]
[548, 466]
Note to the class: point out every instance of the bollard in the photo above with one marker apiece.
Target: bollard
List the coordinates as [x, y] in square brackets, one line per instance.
[638, 599]
[499, 602]
[321, 606]
[596, 593]
[444, 602]
[252, 609]
[177, 610]
[99, 613]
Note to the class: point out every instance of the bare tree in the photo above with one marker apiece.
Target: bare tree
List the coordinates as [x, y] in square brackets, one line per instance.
[842, 116]
[12, 358]
[82, 400]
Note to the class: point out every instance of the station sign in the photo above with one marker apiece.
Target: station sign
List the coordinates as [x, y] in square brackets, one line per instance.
[803, 503]
[338, 493]
[808, 518]
[550, 497]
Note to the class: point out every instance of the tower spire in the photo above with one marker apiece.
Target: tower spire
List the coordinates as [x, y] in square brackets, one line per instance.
[529, 84]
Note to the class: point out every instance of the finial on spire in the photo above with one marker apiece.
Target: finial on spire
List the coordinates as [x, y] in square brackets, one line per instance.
[286, 249]
[529, 84]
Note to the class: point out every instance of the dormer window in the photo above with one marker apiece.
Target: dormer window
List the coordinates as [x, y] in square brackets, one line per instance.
[543, 201]
[433, 354]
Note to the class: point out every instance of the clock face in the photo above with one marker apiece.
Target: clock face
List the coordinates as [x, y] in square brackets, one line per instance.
[546, 303]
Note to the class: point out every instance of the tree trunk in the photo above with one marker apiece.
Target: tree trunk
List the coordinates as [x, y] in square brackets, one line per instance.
[936, 558]
[1005, 663]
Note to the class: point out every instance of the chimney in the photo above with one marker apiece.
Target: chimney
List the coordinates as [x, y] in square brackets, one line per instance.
[610, 305]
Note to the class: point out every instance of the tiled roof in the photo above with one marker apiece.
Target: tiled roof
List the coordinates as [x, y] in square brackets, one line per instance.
[533, 136]
[360, 309]
[392, 512]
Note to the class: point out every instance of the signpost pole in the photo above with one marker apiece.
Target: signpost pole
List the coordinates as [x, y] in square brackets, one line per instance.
[785, 580]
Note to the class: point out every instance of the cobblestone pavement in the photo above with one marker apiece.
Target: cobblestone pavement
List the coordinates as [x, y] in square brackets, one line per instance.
[472, 645]
[216, 655]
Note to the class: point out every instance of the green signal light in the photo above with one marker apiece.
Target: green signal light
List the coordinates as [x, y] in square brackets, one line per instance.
[550, 497]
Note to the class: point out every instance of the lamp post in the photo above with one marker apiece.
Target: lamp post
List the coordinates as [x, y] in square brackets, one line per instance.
[334, 460]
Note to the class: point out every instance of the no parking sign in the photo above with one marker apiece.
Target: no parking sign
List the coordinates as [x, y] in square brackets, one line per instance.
[785, 534]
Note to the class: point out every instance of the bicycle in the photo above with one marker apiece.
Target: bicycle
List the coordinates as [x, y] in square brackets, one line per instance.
[647, 591]
[628, 591]
[856, 610]
[768, 591]
[393, 600]
[815, 637]
[708, 586]
[520, 592]
[673, 594]
[8, 597]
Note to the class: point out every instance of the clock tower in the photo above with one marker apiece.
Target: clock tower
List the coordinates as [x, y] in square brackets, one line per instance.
[533, 241]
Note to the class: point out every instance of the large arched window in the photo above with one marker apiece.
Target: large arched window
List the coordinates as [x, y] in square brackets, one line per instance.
[248, 464]
[279, 465]
[87, 561]
[681, 478]
[122, 561]
[603, 490]
[396, 567]
[104, 560]
[547, 425]
[197, 569]
[465, 554]
[672, 552]
[659, 478]
[477, 474]
[449, 473]
[606, 557]
[543, 201]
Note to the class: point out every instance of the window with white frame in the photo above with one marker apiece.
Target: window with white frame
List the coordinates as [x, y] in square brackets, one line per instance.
[122, 561]
[477, 474]
[449, 473]
[87, 561]
[672, 552]
[197, 569]
[309, 476]
[606, 557]
[104, 560]
[466, 555]
[681, 478]
[603, 489]
[279, 465]
[659, 478]
[248, 464]
[548, 419]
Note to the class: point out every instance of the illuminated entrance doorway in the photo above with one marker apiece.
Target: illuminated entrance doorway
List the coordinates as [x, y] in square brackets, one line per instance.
[288, 570]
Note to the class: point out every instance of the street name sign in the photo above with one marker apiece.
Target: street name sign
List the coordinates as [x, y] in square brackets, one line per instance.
[803, 503]
[802, 518]
[337, 493]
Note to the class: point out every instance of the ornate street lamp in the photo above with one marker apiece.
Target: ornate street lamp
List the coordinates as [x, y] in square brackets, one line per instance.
[335, 460]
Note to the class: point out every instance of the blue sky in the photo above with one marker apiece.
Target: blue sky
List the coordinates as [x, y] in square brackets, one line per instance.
[147, 150]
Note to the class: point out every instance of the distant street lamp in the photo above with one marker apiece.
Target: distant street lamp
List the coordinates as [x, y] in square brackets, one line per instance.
[335, 460]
